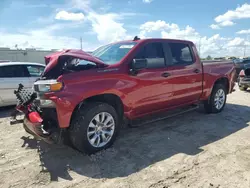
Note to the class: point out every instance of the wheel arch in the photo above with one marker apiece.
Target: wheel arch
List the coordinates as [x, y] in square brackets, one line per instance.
[109, 98]
[223, 81]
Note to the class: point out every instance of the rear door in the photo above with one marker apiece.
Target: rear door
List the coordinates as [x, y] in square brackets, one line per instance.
[10, 77]
[186, 72]
[154, 86]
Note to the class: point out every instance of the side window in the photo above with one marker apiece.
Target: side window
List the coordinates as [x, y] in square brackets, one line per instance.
[12, 71]
[181, 54]
[35, 70]
[154, 54]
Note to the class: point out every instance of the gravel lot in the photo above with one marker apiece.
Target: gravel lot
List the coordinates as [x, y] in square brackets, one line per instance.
[191, 150]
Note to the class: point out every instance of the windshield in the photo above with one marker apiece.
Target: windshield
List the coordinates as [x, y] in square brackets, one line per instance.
[113, 53]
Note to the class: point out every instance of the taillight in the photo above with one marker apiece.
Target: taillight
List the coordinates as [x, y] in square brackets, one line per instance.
[242, 73]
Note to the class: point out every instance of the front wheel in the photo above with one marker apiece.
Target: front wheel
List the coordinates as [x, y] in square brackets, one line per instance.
[217, 100]
[94, 127]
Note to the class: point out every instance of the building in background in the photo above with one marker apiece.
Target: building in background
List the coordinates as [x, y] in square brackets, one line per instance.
[27, 55]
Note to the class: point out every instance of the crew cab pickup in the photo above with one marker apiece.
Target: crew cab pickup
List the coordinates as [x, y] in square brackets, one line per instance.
[86, 96]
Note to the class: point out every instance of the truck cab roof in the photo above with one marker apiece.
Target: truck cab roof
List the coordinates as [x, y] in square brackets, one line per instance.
[155, 40]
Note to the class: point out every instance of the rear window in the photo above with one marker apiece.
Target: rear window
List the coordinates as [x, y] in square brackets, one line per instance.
[35, 70]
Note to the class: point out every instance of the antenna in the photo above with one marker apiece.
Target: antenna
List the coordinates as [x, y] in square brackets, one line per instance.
[136, 38]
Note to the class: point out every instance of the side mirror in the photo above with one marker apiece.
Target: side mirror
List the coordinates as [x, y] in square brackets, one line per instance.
[139, 64]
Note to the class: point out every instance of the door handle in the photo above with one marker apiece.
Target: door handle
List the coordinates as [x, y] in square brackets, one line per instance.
[196, 71]
[166, 74]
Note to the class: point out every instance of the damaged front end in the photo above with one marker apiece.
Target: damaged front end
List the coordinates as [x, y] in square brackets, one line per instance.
[39, 122]
[47, 109]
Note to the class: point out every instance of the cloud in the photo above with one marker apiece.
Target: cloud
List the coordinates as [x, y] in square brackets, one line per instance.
[214, 26]
[43, 38]
[237, 42]
[157, 25]
[239, 13]
[226, 23]
[108, 27]
[188, 33]
[216, 46]
[244, 31]
[84, 5]
[64, 15]
[167, 30]
[222, 24]
[227, 18]
[147, 1]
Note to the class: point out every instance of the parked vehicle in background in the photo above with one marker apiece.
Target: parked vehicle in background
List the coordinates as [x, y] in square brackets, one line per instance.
[241, 64]
[13, 73]
[4, 61]
[244, 79]
[86, 96]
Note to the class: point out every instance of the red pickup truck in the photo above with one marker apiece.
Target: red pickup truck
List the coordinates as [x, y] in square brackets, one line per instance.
[86, 96]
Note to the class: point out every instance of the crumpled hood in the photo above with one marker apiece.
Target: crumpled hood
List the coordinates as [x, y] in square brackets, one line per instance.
[51, 60]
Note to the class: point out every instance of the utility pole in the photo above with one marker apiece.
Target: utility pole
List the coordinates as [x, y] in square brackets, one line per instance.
[245, 50]
[81, 42]
[245, 46]
[200, 46]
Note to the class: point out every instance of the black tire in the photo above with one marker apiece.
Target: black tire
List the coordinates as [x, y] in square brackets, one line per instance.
[80, 123]
[242, 88]
[209, 105]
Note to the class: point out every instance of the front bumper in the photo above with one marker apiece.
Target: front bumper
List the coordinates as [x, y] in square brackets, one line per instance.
[42, 128]
[36, 130]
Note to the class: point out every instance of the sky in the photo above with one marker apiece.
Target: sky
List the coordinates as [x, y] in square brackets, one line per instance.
[217, 27]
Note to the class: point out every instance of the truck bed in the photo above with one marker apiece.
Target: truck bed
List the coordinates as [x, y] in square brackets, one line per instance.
[213, 70]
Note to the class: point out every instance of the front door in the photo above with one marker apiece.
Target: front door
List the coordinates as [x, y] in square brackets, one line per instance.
[154, 89]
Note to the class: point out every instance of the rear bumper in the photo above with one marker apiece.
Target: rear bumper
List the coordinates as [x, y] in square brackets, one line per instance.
[244, 82]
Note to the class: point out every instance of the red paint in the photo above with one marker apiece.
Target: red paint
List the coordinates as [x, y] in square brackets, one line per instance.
[34, 117]
[53, 58]
[147, 92]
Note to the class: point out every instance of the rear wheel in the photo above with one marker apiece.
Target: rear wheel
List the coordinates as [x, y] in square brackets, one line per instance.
[217, 100]
[94, 127]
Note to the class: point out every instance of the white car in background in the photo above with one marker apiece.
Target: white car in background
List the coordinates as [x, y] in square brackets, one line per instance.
[14, 73]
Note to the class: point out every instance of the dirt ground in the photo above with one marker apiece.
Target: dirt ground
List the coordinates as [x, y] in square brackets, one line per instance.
[192, 150]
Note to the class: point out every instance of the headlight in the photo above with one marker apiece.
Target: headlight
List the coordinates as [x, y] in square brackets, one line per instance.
[48, 86]
[44, 88]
